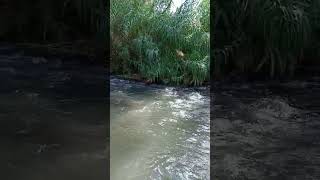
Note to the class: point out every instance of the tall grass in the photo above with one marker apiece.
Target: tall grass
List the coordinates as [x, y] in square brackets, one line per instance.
[53, 20]
[160, 45]
[269, 36]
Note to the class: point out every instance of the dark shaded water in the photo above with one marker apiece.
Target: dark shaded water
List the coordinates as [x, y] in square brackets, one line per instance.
[266, 131]
[52, 118]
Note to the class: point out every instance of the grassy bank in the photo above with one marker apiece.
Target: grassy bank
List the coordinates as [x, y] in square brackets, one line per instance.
[148, 38]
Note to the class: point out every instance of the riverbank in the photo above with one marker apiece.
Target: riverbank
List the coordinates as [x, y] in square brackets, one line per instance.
[138, 78]
[82, 50]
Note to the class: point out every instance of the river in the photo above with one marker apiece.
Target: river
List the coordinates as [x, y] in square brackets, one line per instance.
[266, 130]
[53, 125]
[159, 132]
[52, 117]
[53, 122]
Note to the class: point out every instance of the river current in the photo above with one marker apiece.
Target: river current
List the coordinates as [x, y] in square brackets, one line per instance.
[159, 132]
[52, 117]
[53, 125]
[266, 130]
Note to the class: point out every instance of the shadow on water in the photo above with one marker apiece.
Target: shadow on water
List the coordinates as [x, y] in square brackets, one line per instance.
[266, 131]
[52, 118]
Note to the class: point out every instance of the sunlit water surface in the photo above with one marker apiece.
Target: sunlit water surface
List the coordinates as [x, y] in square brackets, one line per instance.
[158, 132]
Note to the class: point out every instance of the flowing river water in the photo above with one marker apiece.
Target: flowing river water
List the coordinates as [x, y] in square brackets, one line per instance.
[52, 118]
[53, 126]
[266, 130]
[159, 132]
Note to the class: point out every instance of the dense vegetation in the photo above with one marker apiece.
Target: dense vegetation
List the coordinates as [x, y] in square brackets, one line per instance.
[268, 37]
[271, 37]
[158, 44]
[54, 21]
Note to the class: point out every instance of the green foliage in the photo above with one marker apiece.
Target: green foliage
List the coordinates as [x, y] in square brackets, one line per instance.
[53, 20]
[263, 35]
[146, 38]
